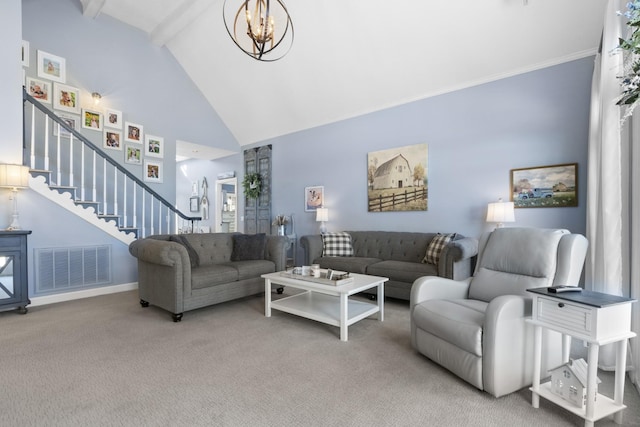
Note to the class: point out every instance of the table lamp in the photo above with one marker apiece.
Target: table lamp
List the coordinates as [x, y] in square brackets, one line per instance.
[322, 215]
[500, 212]
[14, 177]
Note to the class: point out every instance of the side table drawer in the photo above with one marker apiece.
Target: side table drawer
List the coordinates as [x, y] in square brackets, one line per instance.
[575, 318]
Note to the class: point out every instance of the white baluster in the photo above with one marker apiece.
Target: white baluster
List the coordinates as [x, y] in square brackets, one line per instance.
[144, 214]
[46, 142]
[33, 136]
[124, 203]
[151, 214]
[115, 190]
[135, 205]
[58, 159]
[82, 178]
[70, 161]
[104, 186]
[94, 197]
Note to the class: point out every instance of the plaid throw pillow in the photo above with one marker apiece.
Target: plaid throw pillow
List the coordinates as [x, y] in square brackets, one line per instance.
[337, 244]
[436, 246]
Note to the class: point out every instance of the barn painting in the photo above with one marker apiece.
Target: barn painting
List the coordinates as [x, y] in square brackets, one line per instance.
[397, 179]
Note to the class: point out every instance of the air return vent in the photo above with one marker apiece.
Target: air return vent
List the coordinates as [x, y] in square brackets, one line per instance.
[72, 268]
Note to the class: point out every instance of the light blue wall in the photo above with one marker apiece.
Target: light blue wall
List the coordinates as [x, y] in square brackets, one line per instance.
[475, 137]
[143, 81]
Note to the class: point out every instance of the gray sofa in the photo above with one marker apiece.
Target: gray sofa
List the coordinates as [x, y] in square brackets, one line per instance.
[182, 272]
[396, 255]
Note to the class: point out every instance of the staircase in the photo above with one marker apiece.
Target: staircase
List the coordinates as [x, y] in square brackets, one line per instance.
[70, 170]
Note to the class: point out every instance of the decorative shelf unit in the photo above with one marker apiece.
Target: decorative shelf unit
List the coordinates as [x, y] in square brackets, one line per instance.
[14, 292]
[595, 318]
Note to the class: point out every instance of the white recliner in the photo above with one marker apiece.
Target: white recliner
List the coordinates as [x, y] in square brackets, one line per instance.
[476, 328]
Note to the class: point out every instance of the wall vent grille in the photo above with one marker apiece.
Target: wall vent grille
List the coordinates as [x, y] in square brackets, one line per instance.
[72, 268]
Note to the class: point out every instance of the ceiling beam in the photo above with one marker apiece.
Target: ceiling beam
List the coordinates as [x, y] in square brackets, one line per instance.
[187, 12]
[91, 8]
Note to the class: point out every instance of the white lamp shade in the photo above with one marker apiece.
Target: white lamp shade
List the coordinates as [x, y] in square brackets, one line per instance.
[500, 212]
[14, 176]
[322, 214]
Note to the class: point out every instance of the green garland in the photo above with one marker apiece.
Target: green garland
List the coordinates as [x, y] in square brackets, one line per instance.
[252, 184]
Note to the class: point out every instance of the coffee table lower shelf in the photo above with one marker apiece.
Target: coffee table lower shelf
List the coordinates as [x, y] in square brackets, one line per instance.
[324, 308]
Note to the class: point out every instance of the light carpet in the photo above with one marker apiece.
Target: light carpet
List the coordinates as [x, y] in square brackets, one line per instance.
[106, 361]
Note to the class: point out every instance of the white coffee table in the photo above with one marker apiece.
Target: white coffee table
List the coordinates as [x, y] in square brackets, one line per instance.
[326, 303]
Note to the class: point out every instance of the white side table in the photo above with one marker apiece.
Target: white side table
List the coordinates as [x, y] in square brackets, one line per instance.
[595, 318]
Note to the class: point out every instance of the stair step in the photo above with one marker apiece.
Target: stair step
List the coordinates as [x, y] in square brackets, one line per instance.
[133, 230]
[64, 189]
[41, 172]
[88, 204]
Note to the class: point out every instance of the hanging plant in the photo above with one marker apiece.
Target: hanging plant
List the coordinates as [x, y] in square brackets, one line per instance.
[252, 184]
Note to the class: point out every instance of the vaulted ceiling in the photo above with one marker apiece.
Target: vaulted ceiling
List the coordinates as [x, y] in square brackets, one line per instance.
[352, 57]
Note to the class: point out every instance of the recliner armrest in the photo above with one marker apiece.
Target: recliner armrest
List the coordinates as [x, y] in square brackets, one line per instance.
[434, 287]
[457, 251]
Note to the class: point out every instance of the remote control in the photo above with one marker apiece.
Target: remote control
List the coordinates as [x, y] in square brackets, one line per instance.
[557, 289]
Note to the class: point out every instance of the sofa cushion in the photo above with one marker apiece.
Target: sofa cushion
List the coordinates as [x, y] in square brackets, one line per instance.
[402, 271]
[193, 255]
[248, 247]
[211, 275]
[350, 264]
[459, 322]
[251, 269]
[336, 244]
[435, 247]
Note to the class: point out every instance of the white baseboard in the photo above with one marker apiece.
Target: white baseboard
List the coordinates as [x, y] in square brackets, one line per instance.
[85, 293]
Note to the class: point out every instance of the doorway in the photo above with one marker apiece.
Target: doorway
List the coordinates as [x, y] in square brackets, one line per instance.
[226, 205]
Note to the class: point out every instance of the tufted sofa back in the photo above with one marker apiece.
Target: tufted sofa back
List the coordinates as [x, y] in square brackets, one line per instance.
[391, 245]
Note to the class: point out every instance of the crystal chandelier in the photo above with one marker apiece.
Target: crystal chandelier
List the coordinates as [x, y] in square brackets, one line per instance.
[263, 32]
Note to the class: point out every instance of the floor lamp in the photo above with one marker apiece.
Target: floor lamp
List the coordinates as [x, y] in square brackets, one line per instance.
[14, 177]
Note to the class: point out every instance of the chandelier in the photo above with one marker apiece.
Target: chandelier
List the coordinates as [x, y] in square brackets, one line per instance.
[263, 32]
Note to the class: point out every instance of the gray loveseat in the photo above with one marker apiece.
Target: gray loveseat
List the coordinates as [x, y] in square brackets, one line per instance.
[182, 272]
[396, 255]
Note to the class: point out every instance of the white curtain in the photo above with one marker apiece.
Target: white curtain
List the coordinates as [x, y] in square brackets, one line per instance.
[605, 206]
[634, 252]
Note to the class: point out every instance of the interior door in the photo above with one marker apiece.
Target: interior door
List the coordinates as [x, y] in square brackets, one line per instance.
[227, 205]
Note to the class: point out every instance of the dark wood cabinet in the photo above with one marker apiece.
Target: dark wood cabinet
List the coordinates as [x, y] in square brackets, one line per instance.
[14, 291]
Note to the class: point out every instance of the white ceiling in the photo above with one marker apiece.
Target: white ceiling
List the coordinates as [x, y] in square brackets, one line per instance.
[352, 57]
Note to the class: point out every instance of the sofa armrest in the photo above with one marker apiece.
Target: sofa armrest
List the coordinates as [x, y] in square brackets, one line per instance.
[161, 252]
[434, 287]
[276, 251]
[456, 259]
[312, 245]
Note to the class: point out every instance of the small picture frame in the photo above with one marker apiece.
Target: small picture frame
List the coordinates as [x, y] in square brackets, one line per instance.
[113, 118]
[66, 98]
[554, 186]
[39, 89]
[133, 132]
[112, 139]
[91, 119]
[133, 155]
[313, 198]
[51, 67]
[72, 121]
[25, 53]
[153, 171]
[154, 146]
[194, 204]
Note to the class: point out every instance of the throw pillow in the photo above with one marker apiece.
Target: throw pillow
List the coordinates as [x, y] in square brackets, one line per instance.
[248, 247]
[193, 255]
[435, 247]
[337, 244]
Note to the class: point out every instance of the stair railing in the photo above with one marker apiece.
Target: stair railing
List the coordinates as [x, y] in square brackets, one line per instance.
[113, 189]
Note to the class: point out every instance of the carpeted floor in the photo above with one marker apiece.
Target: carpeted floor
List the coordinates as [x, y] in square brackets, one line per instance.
[105, 361]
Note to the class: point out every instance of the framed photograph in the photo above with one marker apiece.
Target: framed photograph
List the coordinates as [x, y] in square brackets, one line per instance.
[554, 186]
[397, 179]
[72, 121]
[25, 53]
[153, 171]
[313, 198]
[66, 98]
[194, 204]
[154, 145]
[112, 139]
[133, 132]
[39, 89]
[91, 119]
[113, 118]
[133, 155]
[51, 67]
